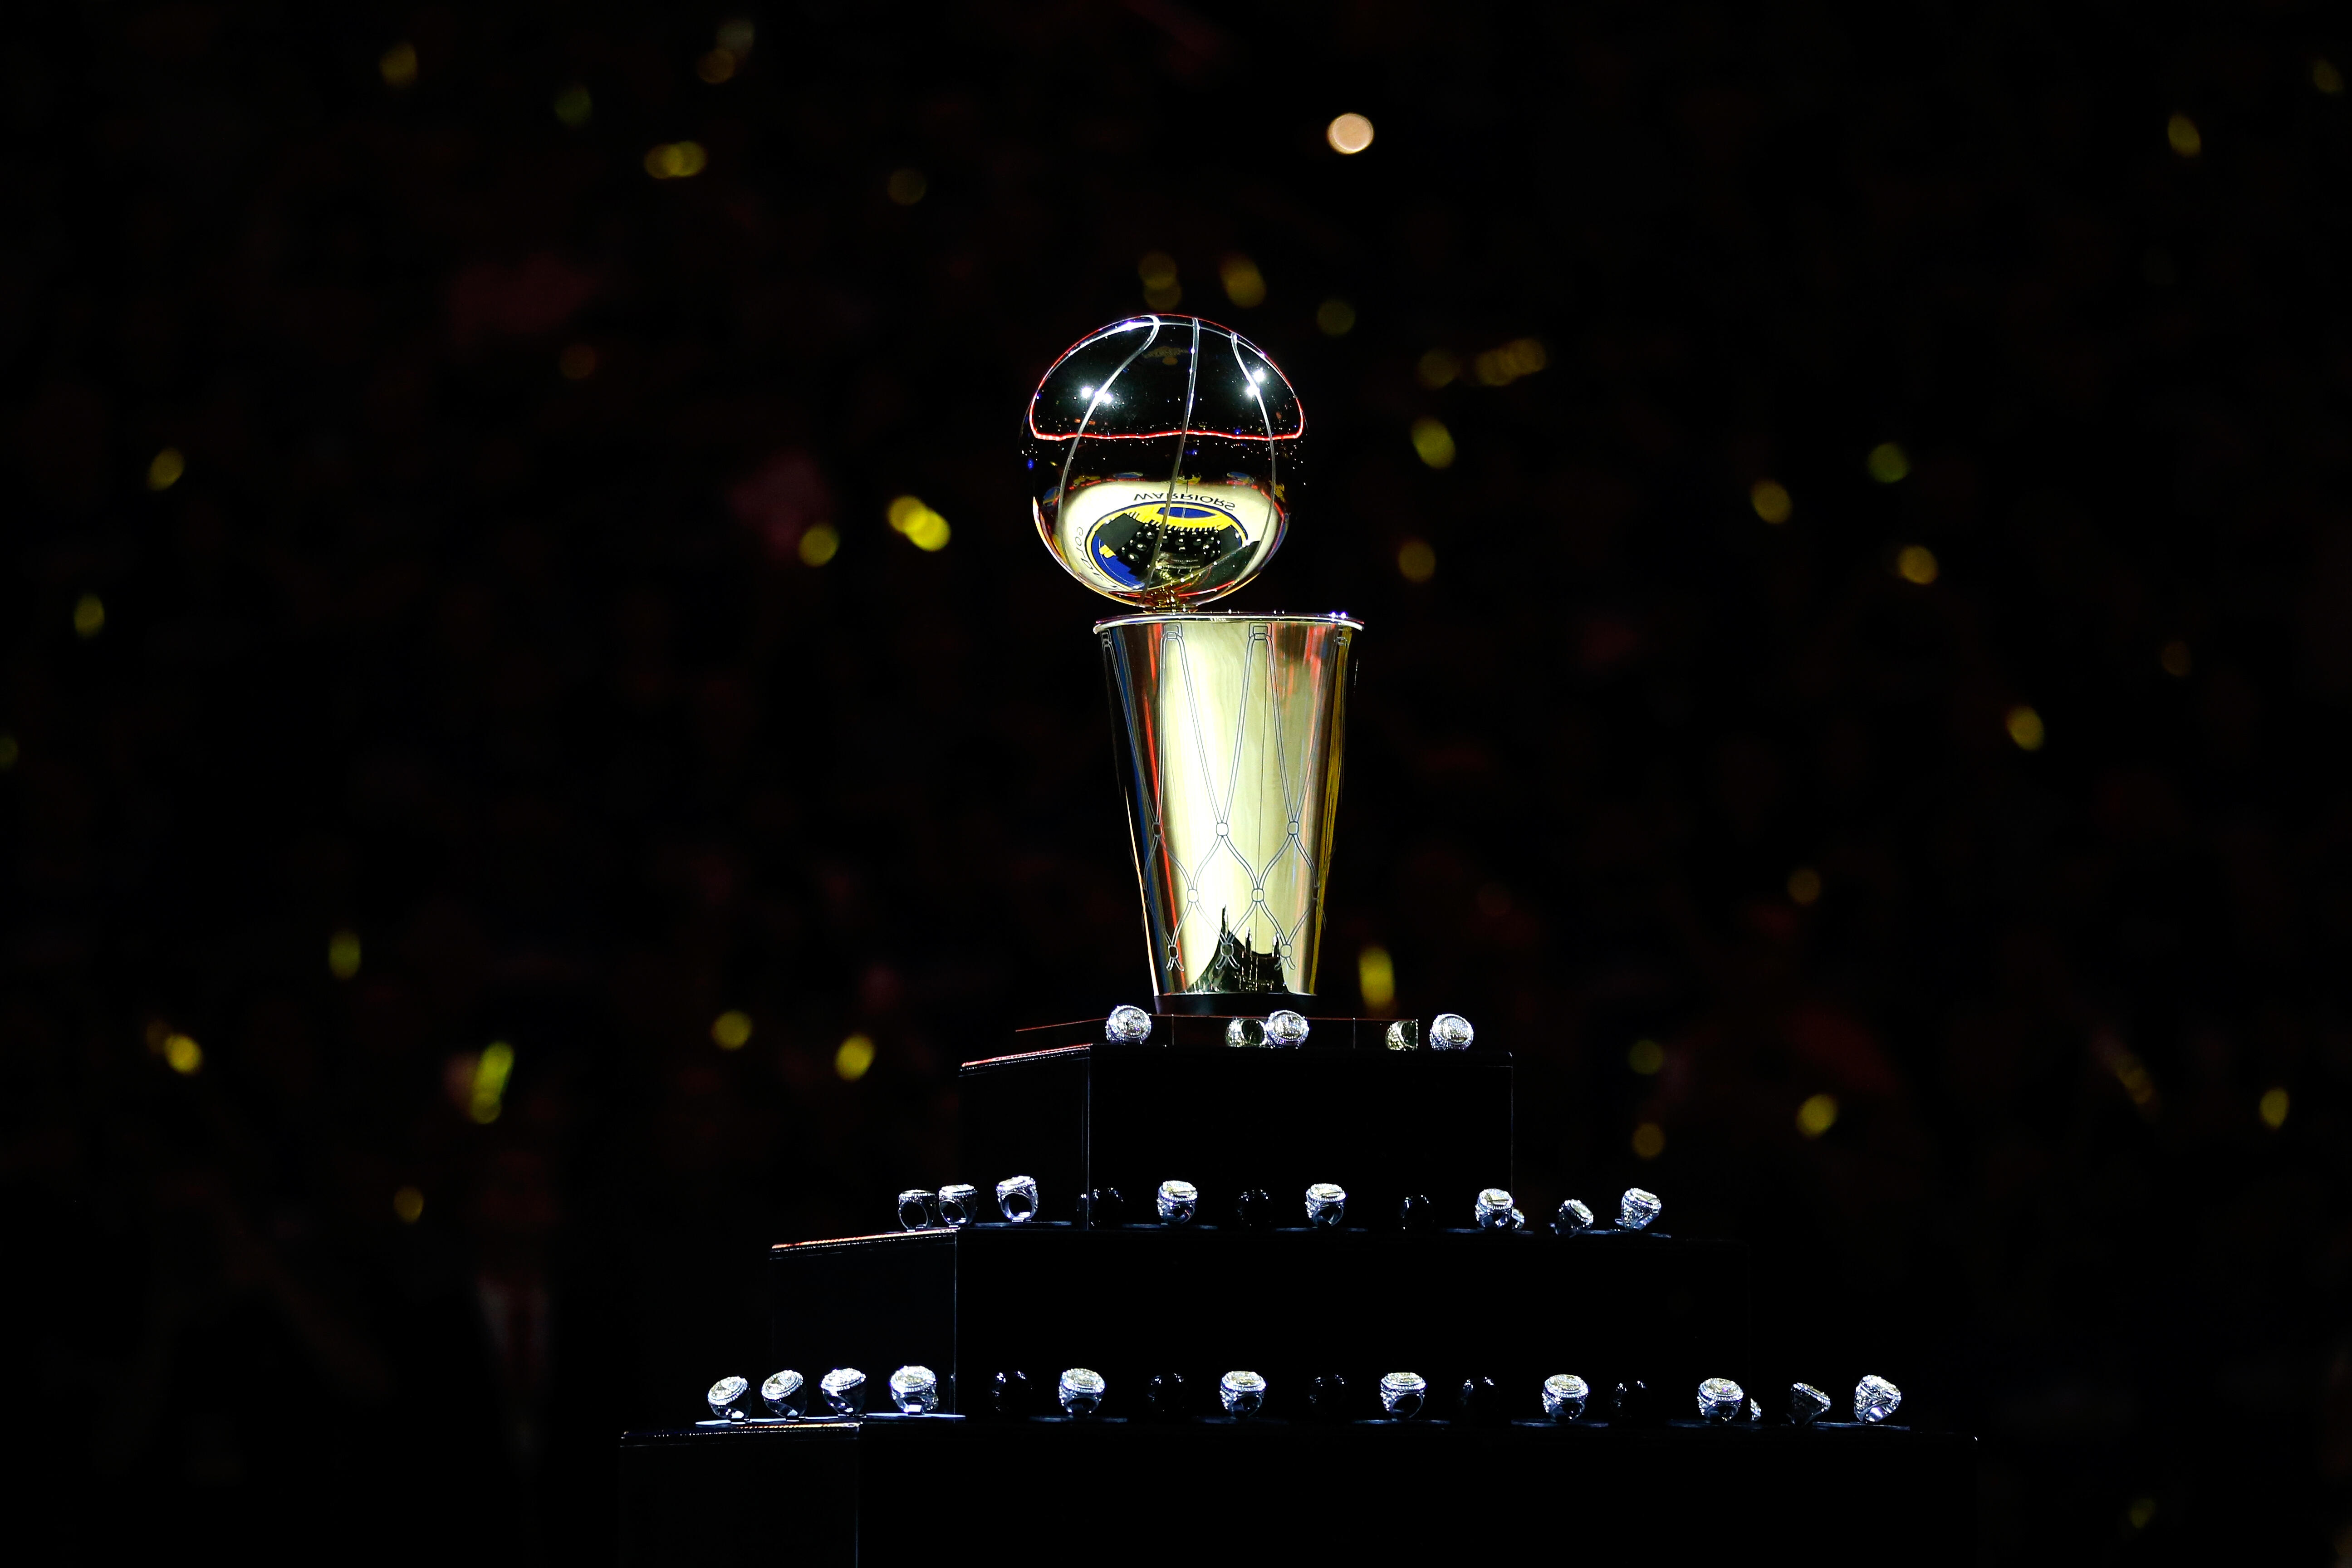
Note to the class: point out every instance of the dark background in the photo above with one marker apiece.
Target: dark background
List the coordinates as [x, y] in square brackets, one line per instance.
[520, 677]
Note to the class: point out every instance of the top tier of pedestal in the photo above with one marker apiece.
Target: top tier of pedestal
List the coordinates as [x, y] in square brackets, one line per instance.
[1078, 1114]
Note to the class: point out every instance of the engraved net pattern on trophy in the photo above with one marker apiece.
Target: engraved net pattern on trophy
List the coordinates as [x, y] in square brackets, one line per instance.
[1278, 908]
[1231, 721]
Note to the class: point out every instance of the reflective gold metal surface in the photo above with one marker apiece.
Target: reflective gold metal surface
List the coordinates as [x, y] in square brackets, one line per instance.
[1229, 731]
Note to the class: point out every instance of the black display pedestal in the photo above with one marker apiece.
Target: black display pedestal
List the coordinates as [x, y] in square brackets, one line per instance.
[1381, 1123]
[931, 1489]
[1291, 1304]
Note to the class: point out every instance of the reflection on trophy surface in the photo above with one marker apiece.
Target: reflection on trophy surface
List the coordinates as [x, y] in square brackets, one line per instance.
[1162, 454]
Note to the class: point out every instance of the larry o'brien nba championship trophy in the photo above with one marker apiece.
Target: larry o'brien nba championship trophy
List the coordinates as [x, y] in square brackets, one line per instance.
[1235, 1279]
[1162, 455]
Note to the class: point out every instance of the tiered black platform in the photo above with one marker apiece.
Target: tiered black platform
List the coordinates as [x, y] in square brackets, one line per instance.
[1297, 1304]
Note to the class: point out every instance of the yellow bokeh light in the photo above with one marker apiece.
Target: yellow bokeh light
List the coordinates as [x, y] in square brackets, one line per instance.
[398, 65]
[182, 1054]
[926, 529]
[907, 187]
[1646, 1057]
[1888, 463]
[343, 954]
[573, 106]
[1160, 290]
[2175, 658]
[731, 1030]
[2142, 1510]
[1649, 1141]
[1376, 978]
[1502, 366]
[1416, 561]
[1770, 502]
[9, 751]
[1817, 1115]
[1917, 564]
[1433, 442]
[1805, 886]
[2273, 1109]
[2326, 76]
[855, 1056]
[1436, 368]
[491, 1070]
[2181, 133]
[735, 35]
[677, 160]
[1245, 285]
[89, 615]
[1335, 317]
[1349, 134]
[715, 66]
[577, 363]
[408, 1204]
[2025, 728]
[820, 544]
[165, 471]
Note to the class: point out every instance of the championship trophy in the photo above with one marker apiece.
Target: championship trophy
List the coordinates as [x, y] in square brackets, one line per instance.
[1163, 456]
[1262, 1306]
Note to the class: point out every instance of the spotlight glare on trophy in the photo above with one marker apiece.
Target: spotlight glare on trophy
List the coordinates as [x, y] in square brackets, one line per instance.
[1163, 453]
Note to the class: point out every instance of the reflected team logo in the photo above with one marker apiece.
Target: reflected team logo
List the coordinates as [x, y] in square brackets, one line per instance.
[1152, 543]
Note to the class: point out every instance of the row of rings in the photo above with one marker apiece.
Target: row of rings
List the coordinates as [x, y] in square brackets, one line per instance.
[915, 1391]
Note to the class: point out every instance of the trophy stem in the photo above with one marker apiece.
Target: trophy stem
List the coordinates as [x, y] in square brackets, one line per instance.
[1228, 730]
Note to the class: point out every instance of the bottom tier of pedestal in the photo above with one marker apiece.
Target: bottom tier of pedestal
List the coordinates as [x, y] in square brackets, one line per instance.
[889, 1491]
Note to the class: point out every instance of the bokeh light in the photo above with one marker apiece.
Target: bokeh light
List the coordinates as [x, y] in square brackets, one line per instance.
[182, 1054]
[1349, 133]
[343, 954]
[854, 1058]
[2326, 76]
[2025, 728]
[1887, 463]
[731, 1030]
[2174, 658]
[1504, 365]
[907, 187]
[89, 617]
[2273, 1109]
[1649, 1141]
[1804, 887]
[1646, 1057]
[492, 1069]
[716, 65]
[2181, 134]
[577, 363]
[397, 64]
[1434, 443]
[9, 751]
[1917, 564]
[408, 1206]
[1436, 368]
[1161, 290]
[676, 160]
[165, 470]
[819, 544]
[1817, 1115]
[574, 105]
[1376, 980]
[1244, 286]
[1335, 317]
[1770, 501]
[1416, 561]
[924, 528]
